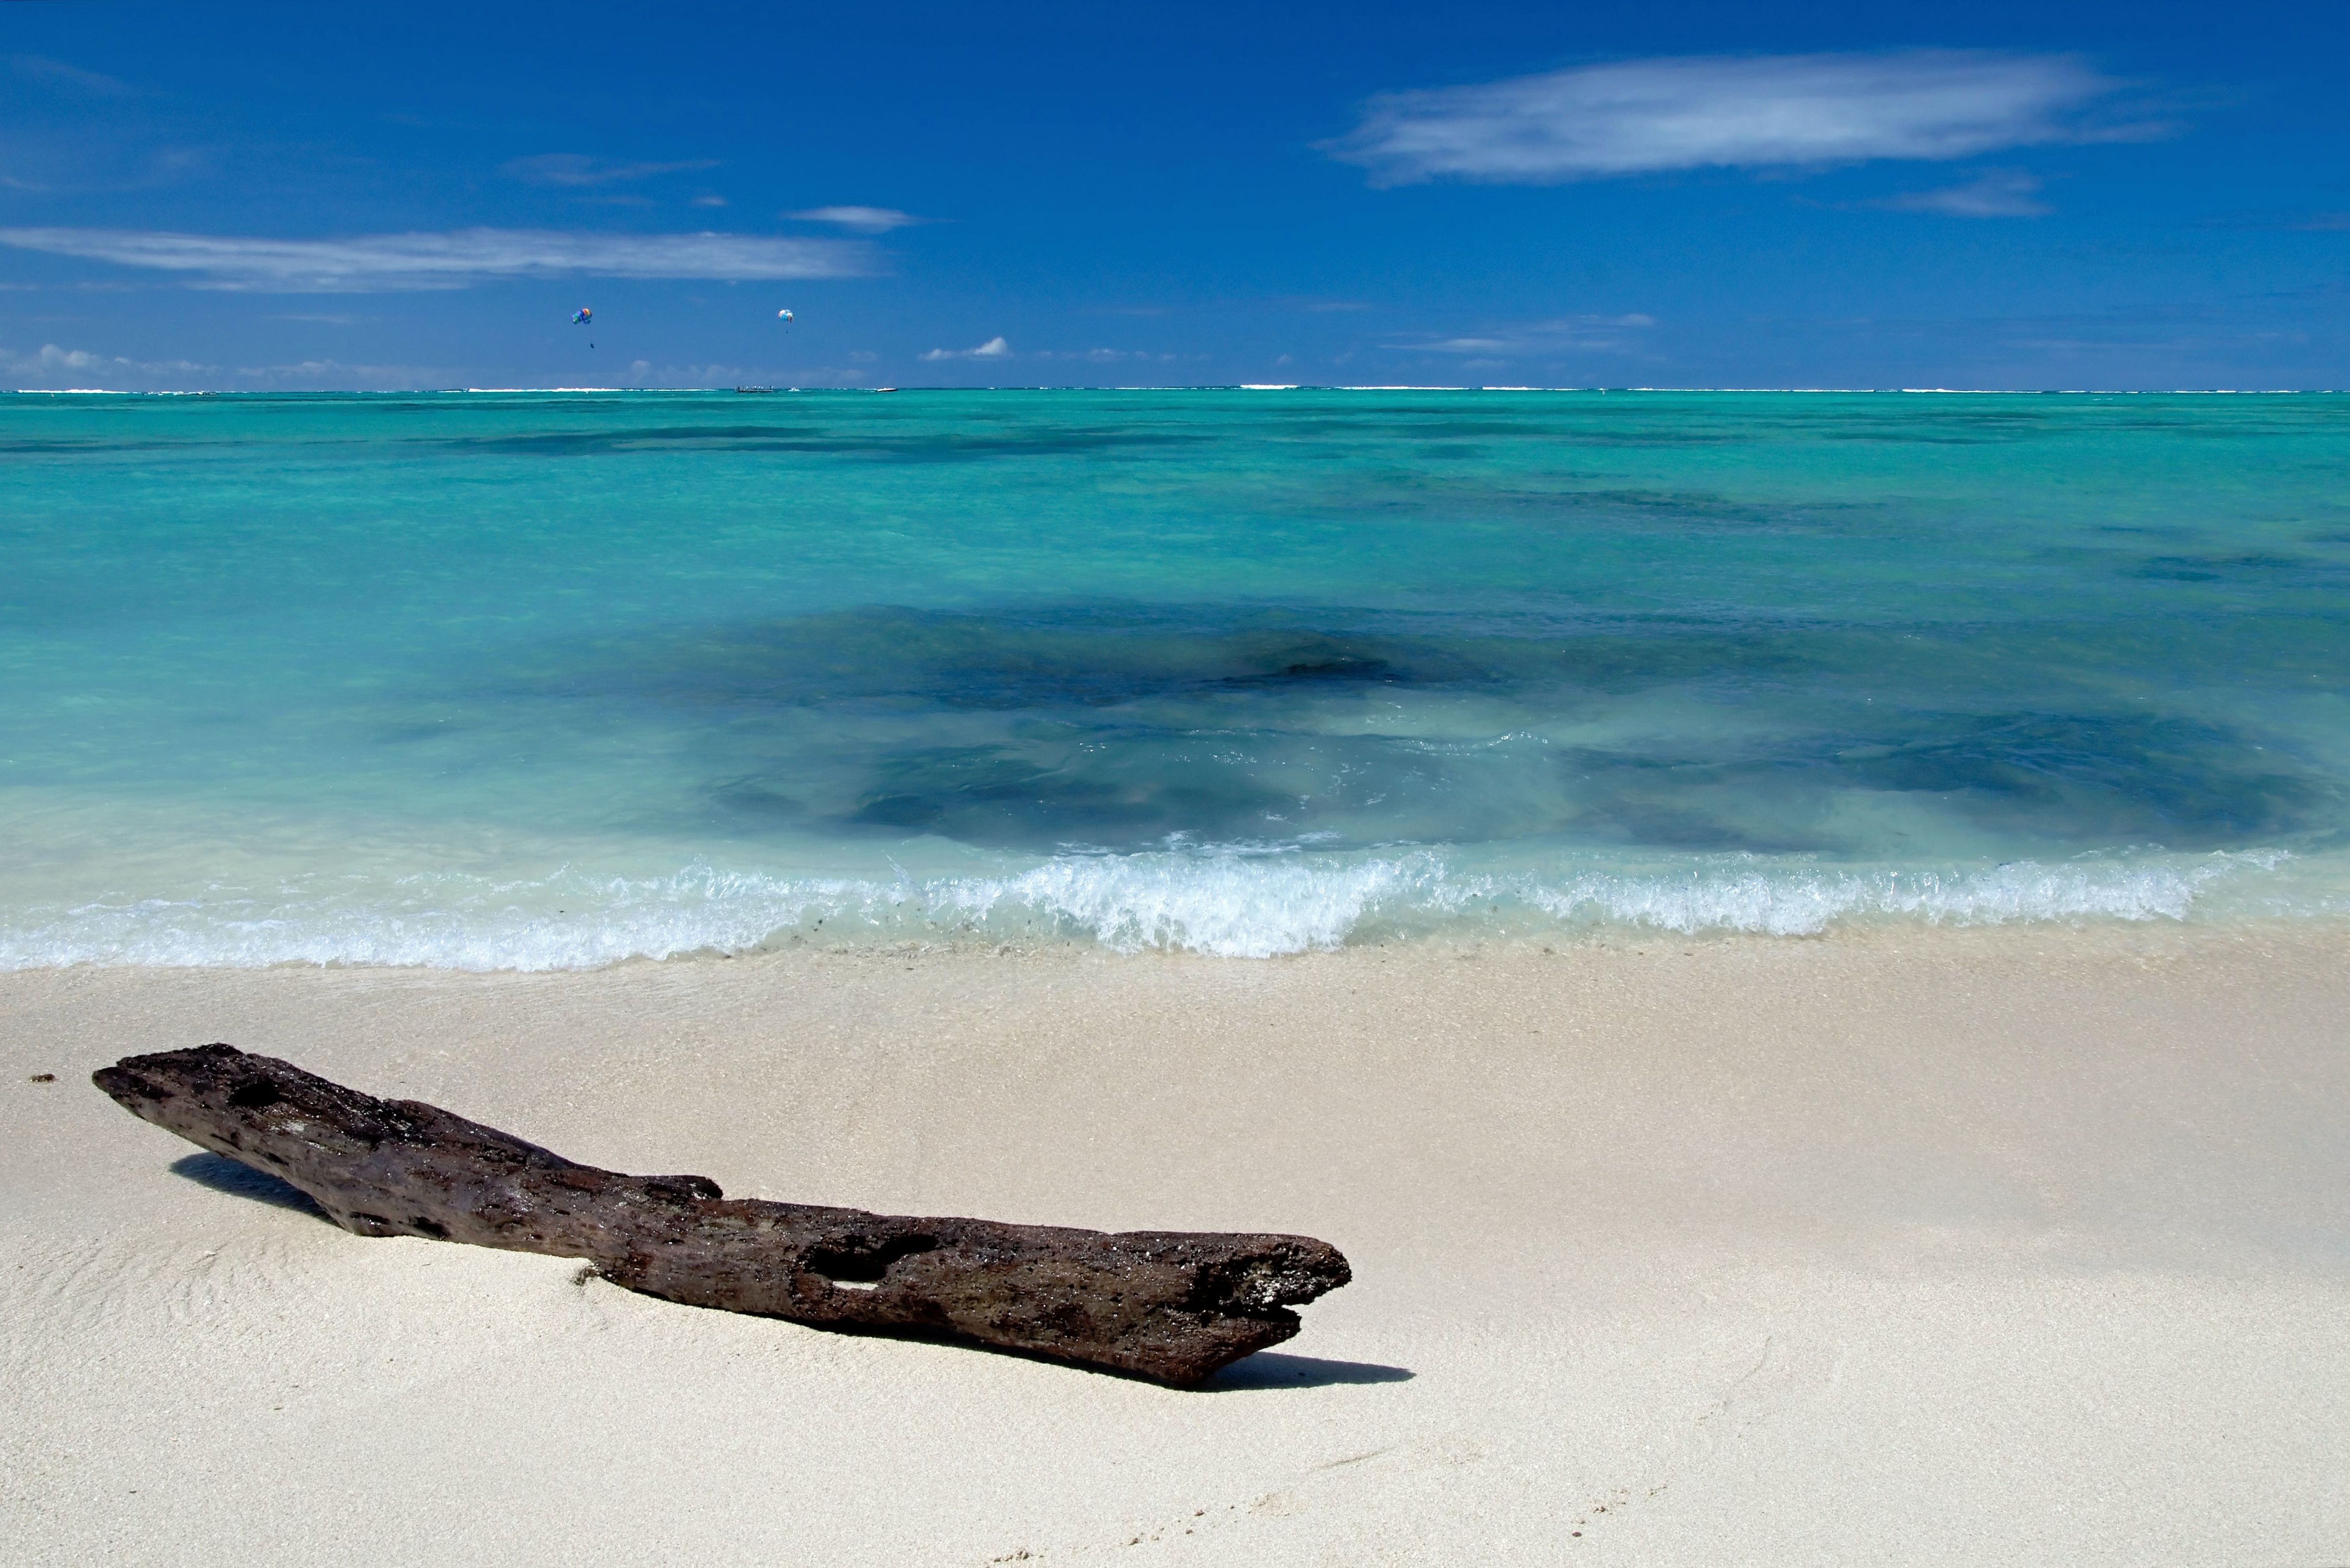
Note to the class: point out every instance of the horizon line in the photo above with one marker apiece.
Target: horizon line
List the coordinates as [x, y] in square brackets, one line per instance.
[1204, 387]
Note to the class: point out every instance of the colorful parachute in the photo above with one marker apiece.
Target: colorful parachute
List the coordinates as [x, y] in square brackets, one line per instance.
[583, 317]
[784, 316]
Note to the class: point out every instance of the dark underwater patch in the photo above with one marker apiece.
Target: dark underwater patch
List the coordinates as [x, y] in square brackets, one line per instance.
[36, 447]
[1139, 786]
[2050, 780]
[1933, 423]
[943, 446]
[1675, 509]
[1584, 426]
[1559, 504]
[2212, 568]
[887, 658]
[2103, 778]
[1123, 728]
[1431, 425]
[1146, 794]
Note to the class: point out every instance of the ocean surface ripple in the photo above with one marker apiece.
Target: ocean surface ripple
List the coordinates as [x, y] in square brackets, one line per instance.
[552, 681]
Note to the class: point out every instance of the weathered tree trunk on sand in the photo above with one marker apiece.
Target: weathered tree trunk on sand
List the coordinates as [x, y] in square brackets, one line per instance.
[1167, 1306]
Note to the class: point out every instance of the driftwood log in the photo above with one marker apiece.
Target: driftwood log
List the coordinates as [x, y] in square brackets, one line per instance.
[1167, 1305]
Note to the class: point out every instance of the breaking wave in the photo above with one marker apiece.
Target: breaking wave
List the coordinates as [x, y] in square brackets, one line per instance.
[1227, 902]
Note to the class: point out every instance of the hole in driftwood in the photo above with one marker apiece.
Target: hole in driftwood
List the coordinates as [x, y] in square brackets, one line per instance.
[862, 1269]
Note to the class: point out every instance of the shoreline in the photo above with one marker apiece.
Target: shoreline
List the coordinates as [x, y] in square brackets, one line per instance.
[2025, 1242]
[1132, 907]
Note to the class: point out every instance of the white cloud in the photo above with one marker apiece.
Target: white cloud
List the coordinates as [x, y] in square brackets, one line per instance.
[52, 364]
[1111, 355]
[576, 169]
[710, 200]
[993, 349]
[375, 263]
[862, 220]
[1644, 116]
[37, 68]
[1998, 194]
[334, 375]
[721, 376]
[53, 358]
[1578, 334]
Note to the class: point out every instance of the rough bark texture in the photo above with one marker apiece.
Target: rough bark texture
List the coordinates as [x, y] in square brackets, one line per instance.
[1169, 1305]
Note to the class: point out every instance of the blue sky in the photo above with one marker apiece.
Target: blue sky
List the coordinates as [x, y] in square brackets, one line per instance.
[2057, 195]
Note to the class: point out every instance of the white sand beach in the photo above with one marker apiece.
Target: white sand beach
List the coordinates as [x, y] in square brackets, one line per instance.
[2019, 1246]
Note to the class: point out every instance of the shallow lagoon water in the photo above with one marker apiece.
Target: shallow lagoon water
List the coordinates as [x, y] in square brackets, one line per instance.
[546, 680]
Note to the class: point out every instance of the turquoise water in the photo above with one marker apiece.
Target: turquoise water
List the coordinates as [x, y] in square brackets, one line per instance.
[492, 680]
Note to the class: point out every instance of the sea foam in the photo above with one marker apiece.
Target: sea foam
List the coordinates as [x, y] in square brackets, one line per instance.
[1224, 903]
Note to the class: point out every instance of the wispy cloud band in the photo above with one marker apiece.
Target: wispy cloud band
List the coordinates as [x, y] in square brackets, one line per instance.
[1577, 334]
[862, 220]
[383, 263]
[993, 349]
[576, 168]
[1646, 115]
[1995, 193]
[57, 73]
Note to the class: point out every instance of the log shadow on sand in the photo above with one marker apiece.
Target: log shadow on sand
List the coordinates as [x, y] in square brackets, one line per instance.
[225, 1175]
[1274, 1369]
